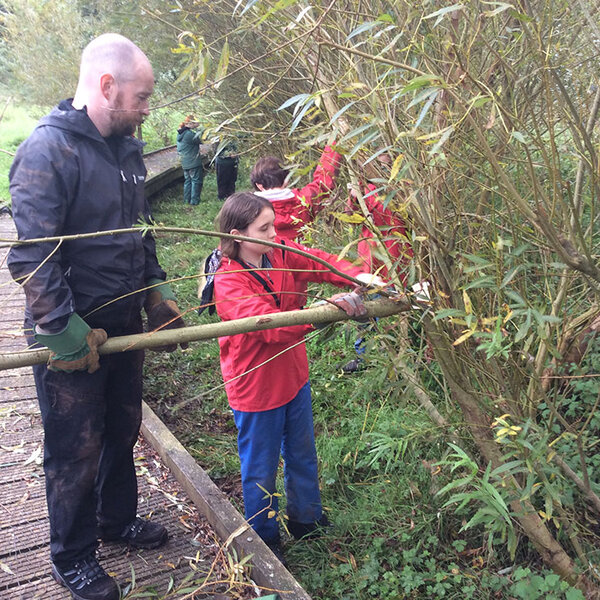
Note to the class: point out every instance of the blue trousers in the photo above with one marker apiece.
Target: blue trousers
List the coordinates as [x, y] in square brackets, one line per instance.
[91, 423]
[264, 436]
[192, 185]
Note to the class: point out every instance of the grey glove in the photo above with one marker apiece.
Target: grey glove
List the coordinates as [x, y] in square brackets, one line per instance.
[351, 303]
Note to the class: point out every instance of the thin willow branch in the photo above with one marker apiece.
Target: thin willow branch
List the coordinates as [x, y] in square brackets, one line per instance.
[206, 232]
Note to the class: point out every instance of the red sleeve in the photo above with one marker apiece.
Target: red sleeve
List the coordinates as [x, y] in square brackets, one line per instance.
[238, 295]
[297, 261]
[323, 181]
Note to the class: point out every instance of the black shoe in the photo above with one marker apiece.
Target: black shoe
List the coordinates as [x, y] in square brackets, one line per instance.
[309, 531]
[354, 365]
[140, 533]
[276, 549]
[87, 580]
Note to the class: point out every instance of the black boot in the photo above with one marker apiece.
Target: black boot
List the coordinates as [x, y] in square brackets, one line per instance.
[140, 533]
[86, 580]
[277, 550]
[308, 531]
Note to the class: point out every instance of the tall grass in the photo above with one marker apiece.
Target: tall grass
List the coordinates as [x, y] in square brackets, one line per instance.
[16, 123]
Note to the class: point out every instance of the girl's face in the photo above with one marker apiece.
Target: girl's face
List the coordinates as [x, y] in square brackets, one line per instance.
[263, 228]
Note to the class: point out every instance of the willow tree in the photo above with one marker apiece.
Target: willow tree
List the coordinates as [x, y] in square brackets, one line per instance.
[489, 114]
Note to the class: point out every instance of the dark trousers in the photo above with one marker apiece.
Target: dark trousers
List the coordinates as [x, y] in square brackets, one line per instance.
[227, 172]
[91, 423]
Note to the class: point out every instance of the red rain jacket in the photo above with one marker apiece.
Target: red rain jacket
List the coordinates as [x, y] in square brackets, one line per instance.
[239, 295]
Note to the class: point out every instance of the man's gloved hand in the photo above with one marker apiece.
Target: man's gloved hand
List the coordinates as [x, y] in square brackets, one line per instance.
[75, 348]
[162, 312]
[351, 303]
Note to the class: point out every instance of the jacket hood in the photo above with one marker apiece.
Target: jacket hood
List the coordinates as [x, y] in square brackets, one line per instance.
[64, 116]
[275, 194]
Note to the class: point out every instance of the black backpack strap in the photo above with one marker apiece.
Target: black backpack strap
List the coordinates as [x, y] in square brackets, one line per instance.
[260, 279]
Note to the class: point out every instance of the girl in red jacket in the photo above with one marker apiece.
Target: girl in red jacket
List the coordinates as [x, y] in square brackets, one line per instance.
[271, 401]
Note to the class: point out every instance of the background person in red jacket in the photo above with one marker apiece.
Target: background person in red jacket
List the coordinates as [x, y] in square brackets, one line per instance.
[266, 372]
[384, 231]
[295, 207]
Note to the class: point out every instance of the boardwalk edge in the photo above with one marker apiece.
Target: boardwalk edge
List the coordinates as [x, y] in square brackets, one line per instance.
[267, 571]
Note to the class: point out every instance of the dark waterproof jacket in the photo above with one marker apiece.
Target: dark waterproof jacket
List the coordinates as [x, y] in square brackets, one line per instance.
[65, 180]
[188, 145]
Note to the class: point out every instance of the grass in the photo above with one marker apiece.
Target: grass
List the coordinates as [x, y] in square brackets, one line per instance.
[16, 123]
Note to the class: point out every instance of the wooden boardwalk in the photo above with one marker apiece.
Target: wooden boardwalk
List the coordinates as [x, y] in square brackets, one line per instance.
[164, 169]
[24, 533]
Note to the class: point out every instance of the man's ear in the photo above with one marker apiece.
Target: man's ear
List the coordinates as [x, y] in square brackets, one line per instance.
[107, 85]
[260, 186]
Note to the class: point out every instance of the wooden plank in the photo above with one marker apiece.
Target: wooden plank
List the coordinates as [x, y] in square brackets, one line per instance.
[14, 495]
[158, 182]
[268, 572]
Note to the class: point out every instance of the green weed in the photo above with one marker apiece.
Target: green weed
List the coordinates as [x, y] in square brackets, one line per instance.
[16, 124]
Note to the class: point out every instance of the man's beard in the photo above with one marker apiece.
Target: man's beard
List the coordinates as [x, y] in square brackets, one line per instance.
[123, 122]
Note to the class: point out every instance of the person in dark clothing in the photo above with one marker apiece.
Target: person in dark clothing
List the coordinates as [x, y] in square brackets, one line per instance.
[226, 165]
[189, 142]
[81, 171]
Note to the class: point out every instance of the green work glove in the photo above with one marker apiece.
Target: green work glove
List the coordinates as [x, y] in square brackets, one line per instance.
[75, 348]
[162, 311]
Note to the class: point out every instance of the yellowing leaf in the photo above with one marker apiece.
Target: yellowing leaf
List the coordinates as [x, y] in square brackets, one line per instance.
[488, 320]
[468, 304]
[463, 337]
[396, 167]
[353, 218]
[271, 514]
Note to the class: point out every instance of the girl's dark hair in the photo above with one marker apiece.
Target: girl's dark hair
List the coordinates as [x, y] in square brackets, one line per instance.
[238, 212]
[269, 173]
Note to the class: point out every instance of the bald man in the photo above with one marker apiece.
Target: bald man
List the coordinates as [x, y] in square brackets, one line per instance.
[81, 171]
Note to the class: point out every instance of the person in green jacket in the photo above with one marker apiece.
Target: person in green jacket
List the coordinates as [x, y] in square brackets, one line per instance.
[188, 148]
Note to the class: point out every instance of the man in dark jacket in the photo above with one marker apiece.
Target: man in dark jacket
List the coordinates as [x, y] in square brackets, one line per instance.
[189, 143]
[80, 171]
